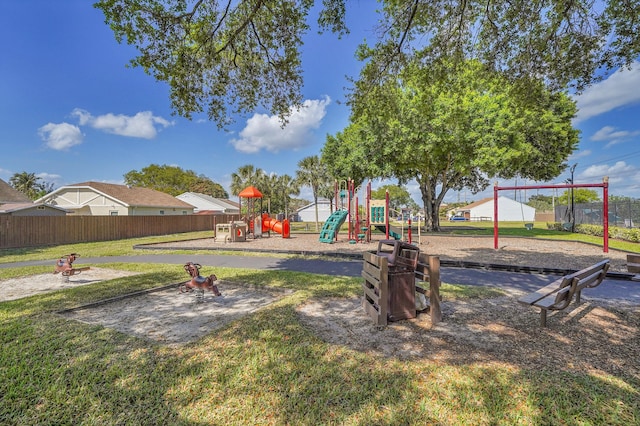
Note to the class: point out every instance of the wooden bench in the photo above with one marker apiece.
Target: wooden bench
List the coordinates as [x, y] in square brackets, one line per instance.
[633, 266]
[559, 294]
[377, 297]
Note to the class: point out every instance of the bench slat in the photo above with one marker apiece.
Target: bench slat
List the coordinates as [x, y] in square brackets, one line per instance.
[633, 267]
[558, 298]
[531, 298]
[596, 278]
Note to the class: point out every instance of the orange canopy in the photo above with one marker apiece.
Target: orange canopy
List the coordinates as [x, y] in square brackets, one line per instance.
[250, 192]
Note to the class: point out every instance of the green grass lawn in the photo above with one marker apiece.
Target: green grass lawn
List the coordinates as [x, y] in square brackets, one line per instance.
[266, 368]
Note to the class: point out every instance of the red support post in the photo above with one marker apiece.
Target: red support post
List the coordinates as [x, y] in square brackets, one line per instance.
[368, 223]
[350, 190]
[495, 216]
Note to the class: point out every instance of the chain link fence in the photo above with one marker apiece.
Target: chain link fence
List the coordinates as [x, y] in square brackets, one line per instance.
[625, 214]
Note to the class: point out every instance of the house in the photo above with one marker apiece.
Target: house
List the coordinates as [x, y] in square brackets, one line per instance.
[15, 203]
[107, 199]
[308, 212]
[30, 209]
[508, 210]
[206, 204]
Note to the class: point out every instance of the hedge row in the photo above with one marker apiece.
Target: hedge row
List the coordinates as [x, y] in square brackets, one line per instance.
[615, 232]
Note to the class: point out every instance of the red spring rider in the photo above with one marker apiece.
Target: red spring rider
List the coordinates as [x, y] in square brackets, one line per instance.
[64, 265]
[199, 282]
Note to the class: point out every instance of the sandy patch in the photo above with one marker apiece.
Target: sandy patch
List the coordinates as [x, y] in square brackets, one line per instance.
[17, 288]
[173, 318]
[598, 335]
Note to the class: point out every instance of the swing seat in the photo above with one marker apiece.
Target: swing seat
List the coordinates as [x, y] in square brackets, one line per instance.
[529, 226]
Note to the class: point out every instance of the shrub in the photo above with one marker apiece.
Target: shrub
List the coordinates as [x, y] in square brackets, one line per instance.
[625, 234]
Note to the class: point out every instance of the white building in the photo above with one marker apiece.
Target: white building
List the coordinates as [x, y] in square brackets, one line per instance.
[308, 212]
[508, 210]
[206, 203]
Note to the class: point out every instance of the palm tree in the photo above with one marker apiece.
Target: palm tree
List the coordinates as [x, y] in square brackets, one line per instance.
[27, 183]
[314, 174]
[286, 187]
[246, 176]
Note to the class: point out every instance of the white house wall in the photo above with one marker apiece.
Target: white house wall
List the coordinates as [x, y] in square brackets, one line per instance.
[85, 201]
[158, 211]
[308, 213]
[508, 211]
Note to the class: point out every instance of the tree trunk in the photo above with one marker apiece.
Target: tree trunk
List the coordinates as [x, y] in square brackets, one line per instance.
[315, 201]
[431, 202]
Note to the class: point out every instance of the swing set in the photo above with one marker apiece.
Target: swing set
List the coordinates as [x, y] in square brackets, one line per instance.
[605, 207]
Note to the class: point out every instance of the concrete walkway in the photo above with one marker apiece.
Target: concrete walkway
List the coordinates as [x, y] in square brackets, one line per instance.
[611, 289]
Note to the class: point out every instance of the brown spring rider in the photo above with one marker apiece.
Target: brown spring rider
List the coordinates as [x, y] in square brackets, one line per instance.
[64, 265]
[199, 282]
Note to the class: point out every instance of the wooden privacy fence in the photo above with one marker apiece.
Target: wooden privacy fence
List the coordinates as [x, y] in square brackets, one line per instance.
[35, 231]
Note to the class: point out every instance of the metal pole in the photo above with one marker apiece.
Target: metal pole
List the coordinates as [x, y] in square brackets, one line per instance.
[573, 201]
[605, 218]
[386, 209]
[495, 216]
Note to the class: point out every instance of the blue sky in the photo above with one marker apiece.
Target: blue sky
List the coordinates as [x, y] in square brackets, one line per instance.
[73, 112]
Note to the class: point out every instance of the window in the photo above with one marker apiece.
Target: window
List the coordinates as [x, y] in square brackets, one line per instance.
[161, 212]
[113, 212]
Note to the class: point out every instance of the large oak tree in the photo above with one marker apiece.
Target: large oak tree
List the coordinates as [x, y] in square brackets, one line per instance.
[453, 132]
[174, 180]
[228, 57]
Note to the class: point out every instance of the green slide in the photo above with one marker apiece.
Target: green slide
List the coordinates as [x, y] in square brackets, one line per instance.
[332, 225]
[393, 232]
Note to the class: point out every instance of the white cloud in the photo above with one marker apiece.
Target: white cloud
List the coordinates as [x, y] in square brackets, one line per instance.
[619, 90]
[580, 154]
[61, 136]
[617, 173]
[142, 125]
[265, 132]
[613, 136]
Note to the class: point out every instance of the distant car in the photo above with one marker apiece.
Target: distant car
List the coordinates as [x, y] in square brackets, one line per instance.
[458, 218]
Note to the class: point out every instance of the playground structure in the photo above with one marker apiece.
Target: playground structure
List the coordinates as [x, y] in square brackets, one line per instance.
[198, 283]
[235, 231]
[254, 224]
[261, 223]
[64, 266]
[360, 226]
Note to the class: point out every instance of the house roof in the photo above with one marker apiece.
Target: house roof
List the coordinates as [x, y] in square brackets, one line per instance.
[323, 201]
[10, 195]
[132, 195]
[476, 203]
[486, 200]
[222, 202]
[15, 207]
